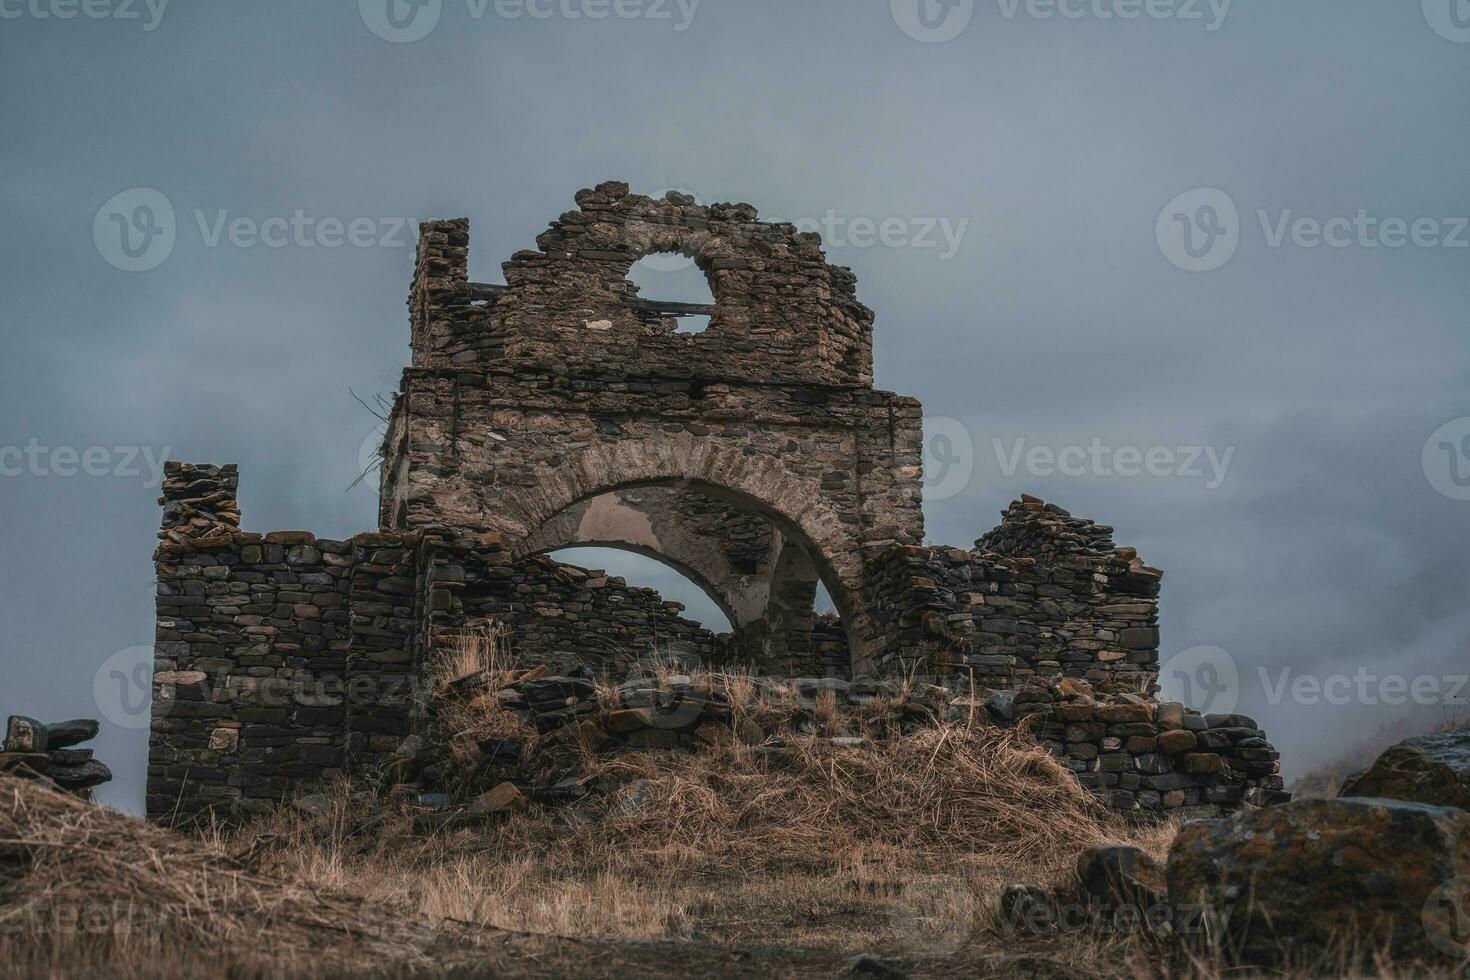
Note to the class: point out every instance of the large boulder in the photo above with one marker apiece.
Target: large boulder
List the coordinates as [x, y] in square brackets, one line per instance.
[1292, 884]
[1430, 769]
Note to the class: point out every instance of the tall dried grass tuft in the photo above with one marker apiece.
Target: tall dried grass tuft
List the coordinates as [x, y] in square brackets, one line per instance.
[88, 887]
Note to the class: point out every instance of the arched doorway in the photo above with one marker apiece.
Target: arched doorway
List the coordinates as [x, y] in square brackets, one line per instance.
[763, 579]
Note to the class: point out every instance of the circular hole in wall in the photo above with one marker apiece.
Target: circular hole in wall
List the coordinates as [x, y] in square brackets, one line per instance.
[674, 278]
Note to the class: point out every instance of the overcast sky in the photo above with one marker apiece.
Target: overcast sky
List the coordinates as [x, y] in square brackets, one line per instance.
[1007, 186]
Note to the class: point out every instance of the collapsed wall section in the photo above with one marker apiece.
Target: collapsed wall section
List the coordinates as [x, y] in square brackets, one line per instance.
[1043, 593]
[283, 658]
[782, 313]
[573, 619]
[276, 654]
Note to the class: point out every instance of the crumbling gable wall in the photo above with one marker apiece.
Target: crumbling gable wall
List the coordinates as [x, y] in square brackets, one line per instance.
[563, 385]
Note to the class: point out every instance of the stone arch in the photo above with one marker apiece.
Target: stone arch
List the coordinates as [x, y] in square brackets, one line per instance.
[648, 521]
[761, 484]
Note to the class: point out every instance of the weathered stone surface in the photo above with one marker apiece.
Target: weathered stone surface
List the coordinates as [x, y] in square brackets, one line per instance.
[24, 734]
[34, 750]
[1431, 769]
[503, 798]
[1121, 875]
[83, 776]
[1305, 877]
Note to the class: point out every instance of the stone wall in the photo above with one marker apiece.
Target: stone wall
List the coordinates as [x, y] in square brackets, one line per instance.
[1141, 754]
[256, 636]
[1043, 593]
[562, 408]
[572, 618]
[280, 656]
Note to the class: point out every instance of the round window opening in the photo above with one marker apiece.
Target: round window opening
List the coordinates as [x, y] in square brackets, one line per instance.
[673, 279]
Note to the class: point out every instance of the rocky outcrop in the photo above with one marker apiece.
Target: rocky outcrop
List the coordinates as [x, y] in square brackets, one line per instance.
[47, 752]
[1432, 769]
[1319, 881]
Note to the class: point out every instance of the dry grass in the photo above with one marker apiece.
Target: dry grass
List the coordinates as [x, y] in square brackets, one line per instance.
[837, 848]
[464, 720]
[939, 791]
[900, 849]
[899, 845]
[82, 886]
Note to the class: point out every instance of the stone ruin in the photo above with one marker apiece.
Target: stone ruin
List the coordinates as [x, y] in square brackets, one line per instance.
[50, 753]
[564, 409]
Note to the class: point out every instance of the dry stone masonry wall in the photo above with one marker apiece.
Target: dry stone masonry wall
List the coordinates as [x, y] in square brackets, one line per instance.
[562, 408]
